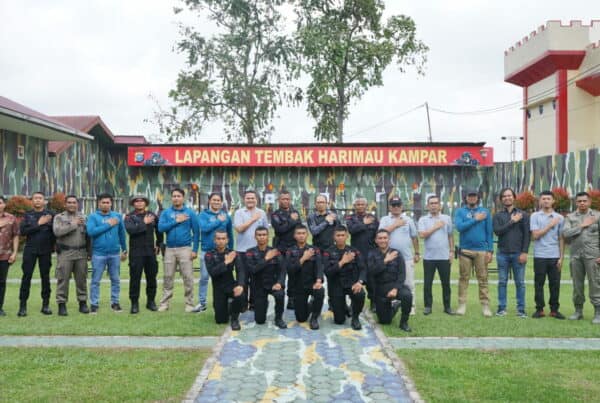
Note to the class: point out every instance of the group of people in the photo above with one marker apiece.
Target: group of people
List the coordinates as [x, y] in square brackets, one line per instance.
[235, 254]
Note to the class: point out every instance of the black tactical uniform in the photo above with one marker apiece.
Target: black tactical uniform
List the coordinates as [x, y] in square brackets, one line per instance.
[306, 276]
[223, 283]
[284, 226]
[321, 230]
[265, 274]
[362, 237]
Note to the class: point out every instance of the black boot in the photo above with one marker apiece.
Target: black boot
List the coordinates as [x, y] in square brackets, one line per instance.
[134, 307]
[314, 321]
[280, 323]
[355, 323]
[22, 309]
[235, 323]
[83, 308]
[46, 307]
[404, 323]
[596, 320]
[151, 306]
[62, 309]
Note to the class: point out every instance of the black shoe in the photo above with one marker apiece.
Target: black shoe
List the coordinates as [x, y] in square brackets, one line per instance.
[557, 315]
[151, 306]
[2, 313]
[538, 314]
[22, 309]
[116, 307]
[355, 323]
[94, 309]
[83, 308]
[62, 309]
[427, 310]
[235, 324]
[134, 308]
[280, 323]
[314, 322]
[448, 311]
[290, 303]
[404, 326]
[46, 309]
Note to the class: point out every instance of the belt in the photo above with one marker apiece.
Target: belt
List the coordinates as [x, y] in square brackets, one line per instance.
[67, 247]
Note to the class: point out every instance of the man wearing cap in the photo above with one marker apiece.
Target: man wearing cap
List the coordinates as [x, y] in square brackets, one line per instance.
[144, 244]
[403, 235]
[474, 224]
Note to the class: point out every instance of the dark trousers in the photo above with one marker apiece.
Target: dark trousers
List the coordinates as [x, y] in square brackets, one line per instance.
[443, 268]
[261, 303]
[44, 262]
[3, 275]
[543, 267]
[338, 305]
[149, 266]
[224, 310]
[291, 284]
[301, 301]
[383, 305]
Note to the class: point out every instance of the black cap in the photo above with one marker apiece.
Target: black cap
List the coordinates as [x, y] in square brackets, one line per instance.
[472, 191]
[395, 201]
[139, 197]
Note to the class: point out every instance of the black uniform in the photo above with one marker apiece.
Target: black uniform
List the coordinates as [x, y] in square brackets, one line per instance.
[362, 237]
[264, 276]
[341, 280]
[38, 247]
[143, 239]
[388, 276]
[321, 230]
[306, 276]
[223, 283]
[284, 226]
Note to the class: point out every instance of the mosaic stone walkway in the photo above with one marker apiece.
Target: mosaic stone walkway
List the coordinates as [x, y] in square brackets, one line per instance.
[261, 363]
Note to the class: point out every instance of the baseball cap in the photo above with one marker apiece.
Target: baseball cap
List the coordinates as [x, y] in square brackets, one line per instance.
[395, 201]
[139, 197]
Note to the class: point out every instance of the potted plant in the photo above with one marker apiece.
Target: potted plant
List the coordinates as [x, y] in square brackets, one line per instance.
[562, 200]
[526, 201]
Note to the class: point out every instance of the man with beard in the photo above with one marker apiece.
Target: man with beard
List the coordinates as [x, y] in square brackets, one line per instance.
[72, 255]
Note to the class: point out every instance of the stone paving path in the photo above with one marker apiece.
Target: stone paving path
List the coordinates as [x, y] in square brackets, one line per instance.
[261, 363]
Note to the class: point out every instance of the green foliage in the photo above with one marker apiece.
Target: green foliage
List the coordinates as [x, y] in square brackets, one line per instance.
[237, 75]
[57, 202]
[526, 201]
[562, 200]
[345, 48]
[595, 196]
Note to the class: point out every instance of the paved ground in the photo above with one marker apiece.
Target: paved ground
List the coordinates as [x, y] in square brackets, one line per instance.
[261, 363]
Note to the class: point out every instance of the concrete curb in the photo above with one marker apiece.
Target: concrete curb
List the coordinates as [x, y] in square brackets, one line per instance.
[496, 343]
[150, 342]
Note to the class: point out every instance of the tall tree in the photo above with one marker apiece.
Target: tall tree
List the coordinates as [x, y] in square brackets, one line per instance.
[236, 76]
[345, 48]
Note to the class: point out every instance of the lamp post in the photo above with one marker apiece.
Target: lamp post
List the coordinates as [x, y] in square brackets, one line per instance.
[513, 145]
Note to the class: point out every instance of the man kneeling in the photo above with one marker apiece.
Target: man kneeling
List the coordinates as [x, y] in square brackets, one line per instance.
[221, 263]
[386, 265]
[268, 277]
[304, 262]
[346, 274]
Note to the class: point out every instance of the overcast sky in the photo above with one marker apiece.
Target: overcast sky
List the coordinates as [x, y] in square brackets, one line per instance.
[104, 57]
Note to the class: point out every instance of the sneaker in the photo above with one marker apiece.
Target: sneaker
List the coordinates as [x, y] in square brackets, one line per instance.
[538, 314]
[449, 311]
[501, 312]
[427, 310]
[83, 307]
[93, 309]
[163, 308]
[199, 308]
[462, 309]
[2, 313]
[116, 307]
[355, 323]
[486, 311]
[235, 324]
[404, 326]
[557, 315]
[413, 311]
[280, 323]
[189, 308]
[522, 315]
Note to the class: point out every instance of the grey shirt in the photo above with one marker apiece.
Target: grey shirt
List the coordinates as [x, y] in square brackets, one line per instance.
[70, 235]
[246, 240]
[548, 246]
[583, 241]
[401, 238]
[437, 245]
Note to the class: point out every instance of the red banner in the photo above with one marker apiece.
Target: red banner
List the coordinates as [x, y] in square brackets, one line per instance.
[310, 156]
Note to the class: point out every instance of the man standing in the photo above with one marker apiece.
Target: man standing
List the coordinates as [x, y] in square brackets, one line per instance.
[145, 243]
[210, 220]
[403, 234]
[180, 223]
[9, 245]
[363, 227]
[436, 229]
[284, 220]
[476, 244]
[511, 226]
[37, 227]
[322, 223]
[221, 264]
[304, 261]
[245, 221]
[72, 255]
[346, 274]
[107, 231]
[581, 231]
[548, 251]
[387, 267]
[268, 273]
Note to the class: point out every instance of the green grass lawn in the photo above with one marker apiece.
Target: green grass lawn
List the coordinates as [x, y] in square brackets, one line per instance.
[504, 376]
[90, 375]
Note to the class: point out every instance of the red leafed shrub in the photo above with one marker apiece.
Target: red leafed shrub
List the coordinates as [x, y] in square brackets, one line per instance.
[526, 201]
[57, 202]
[595, 196]
[18, 205]
[562, 200]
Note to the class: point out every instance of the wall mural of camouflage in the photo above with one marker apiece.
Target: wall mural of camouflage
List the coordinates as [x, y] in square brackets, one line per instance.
[87, 169]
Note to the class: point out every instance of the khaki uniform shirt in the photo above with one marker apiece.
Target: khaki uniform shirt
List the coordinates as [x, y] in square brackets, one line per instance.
[583, 241]
[71, 239]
